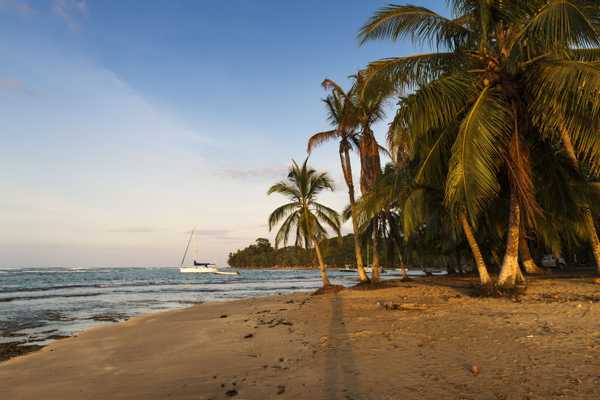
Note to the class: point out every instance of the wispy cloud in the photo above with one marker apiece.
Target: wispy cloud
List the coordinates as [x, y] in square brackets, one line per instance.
[71, 11]
[135, 229]
[235, 238]
[275, 171]
[19, 6]
[14, 85]
[210, 232]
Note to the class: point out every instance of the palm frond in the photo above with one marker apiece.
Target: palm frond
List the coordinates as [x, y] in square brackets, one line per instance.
[410, 72]
[281, 212]
[433, 107]
[478, 153]
[321, 137]
[559, 23]
[421, 25]
[284, 231]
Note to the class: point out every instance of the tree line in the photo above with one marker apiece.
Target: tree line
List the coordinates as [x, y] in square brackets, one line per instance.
[337, 252]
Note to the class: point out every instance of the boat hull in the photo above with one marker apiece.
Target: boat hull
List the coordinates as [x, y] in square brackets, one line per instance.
[198, 270]
[226, 273]
[206, 270]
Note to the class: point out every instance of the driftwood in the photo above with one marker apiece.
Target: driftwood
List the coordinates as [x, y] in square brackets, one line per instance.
[388, 305]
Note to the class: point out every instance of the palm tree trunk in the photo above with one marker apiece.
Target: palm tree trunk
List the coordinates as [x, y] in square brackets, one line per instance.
[519, 277]
[510, 264]
[322, 268]
[591, 227]
[484, 276]
[403, 269]
[528, 262]
[587, 213]
[376, 274]
[347, 170]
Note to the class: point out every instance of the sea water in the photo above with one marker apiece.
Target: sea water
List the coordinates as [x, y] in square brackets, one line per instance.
[40, 303]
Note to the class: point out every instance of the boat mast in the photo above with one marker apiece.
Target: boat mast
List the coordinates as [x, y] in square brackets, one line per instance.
[187, 247]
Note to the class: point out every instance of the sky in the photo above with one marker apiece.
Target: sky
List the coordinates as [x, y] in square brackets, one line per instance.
[125, 124]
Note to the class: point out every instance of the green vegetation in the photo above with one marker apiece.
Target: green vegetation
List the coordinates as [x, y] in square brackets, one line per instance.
[303, 215]
[511, 92]
[337, 252]
[494, 147]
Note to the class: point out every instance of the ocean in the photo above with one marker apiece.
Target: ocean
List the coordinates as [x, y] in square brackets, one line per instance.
[38, 305]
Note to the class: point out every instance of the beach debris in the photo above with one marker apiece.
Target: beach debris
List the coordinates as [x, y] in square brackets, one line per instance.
[289, 302]
[13, 349]
[280, 389]
[328, 289]
[231, 393]
[390, 306]
[56, 337]
[223, 316]
[248, 336]
[566, 298]
[272, 323]
[110, 317]
[475, 369]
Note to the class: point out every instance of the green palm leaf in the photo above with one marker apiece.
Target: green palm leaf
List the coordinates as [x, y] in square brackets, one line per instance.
[420, 24]
[477, 154]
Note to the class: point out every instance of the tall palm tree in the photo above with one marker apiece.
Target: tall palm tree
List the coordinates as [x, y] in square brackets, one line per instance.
[341, 116]
[365, 108]
[303, 215]
[510, 70]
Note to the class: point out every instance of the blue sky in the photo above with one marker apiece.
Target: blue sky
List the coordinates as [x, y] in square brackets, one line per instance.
[124, 123]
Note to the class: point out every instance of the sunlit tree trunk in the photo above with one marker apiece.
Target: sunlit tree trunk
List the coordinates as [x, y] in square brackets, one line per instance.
[510, 264]
[347, 170]
[376, 274]
[322, 268]
[403, 269]
[484, 276]
[370, 164]
[519, 277]
[528, 262]
[587, 213]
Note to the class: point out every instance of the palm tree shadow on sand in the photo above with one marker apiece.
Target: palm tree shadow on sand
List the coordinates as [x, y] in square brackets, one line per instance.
[342, 376]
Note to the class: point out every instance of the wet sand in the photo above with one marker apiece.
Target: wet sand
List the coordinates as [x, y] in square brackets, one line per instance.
[427, 339]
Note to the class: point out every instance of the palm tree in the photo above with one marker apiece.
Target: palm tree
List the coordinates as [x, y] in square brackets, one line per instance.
[340, 115]
[303, 215]
[365, 106]
[378, 214]
[510, 71]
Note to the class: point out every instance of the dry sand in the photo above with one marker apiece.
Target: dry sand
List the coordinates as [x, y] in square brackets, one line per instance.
[439, 343]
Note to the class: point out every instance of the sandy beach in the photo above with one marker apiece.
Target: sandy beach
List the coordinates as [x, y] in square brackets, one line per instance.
[427, 339]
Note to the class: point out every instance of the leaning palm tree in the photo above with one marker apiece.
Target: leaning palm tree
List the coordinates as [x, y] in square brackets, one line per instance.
[508, 71]
[341, 116]
[303, 215]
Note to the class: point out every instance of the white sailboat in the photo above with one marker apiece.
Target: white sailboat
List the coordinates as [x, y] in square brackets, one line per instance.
[200, 267]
